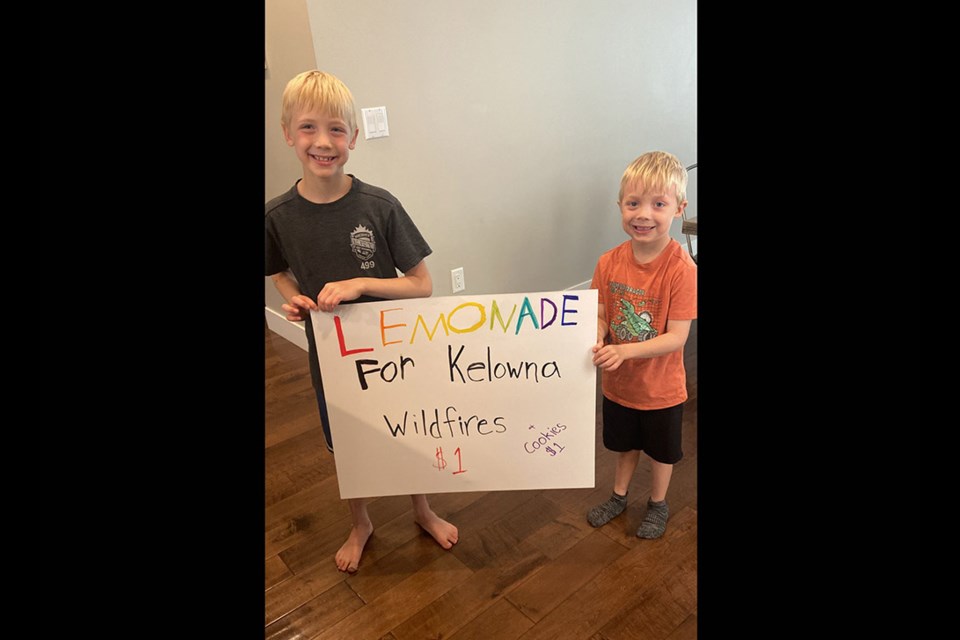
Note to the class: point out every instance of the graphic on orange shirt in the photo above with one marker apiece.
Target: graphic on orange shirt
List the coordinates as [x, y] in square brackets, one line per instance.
[630, 326]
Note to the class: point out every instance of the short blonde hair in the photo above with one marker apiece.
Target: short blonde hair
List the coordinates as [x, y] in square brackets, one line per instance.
[316, 90]
[656, 170]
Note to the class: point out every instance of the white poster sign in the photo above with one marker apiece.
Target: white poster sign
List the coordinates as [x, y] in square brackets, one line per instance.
[461, 393]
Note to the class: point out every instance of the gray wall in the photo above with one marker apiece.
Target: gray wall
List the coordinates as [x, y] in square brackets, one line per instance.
[512, 121]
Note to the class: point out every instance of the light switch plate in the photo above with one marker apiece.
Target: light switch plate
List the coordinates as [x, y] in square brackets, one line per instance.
[375, 123]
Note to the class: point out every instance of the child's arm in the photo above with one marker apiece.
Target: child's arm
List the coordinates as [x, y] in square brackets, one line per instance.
[673, 338]
[415, 283]
[298, 305]
[602, 326]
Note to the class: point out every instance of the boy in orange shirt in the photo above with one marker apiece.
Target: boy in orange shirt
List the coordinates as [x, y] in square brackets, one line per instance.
[647, 291]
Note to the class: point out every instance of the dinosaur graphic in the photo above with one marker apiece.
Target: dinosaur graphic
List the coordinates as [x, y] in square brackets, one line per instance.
[630, 326]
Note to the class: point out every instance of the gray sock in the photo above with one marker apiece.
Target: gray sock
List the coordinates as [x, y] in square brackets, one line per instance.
[655, 523]
[604, 513]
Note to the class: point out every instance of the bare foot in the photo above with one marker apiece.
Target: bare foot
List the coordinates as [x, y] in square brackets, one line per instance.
[442, 531]
[348, 557]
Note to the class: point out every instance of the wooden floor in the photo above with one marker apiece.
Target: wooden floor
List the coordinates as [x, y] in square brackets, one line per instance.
[527, 565]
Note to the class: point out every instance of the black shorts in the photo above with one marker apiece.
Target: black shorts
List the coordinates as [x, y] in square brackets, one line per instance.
[656, 432]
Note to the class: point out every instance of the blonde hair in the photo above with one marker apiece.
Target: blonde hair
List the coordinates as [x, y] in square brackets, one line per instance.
[656, 170]
[316, 90]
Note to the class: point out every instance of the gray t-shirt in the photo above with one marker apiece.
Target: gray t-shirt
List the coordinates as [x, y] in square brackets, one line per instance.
[366, 233]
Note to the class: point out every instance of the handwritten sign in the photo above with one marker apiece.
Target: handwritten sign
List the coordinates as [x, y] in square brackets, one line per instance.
[461, 393]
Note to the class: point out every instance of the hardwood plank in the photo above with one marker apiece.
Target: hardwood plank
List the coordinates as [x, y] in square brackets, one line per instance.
[490, 507]
[320, 510]
[448, 613]
[286, 380]
[298, 517]
[562, 531]
[328, 528]
[687, 629]
[690, 362]
[582, 500]
[681, 494]
[313, 617]
[291, 424]
[295, 403]
[504, 532]
[483, 544]
[683, 486]
[689, 436]
[275, 572]
[289, 402]
[298, 590]
[448, 505]
[279, 348]
[512, 531]
[523, 520]
[295, 464]
[393, 525]
[627, 578]
[399, 603]
[511, 541]
[276, 363]
[661, 609]
[320, 573]
[381, 576]
[560, 578]
[501, 621]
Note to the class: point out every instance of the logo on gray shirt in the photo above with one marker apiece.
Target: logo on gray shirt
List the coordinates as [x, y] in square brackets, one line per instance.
[362, 243]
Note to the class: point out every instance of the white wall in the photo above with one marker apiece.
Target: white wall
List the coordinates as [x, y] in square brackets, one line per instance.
[289, 50]
[511, 122]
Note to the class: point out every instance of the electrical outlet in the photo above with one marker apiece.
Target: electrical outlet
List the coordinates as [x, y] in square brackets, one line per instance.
[456, 277]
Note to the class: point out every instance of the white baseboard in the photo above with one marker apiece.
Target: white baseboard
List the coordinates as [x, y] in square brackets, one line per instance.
[292, 331]
[580, 285]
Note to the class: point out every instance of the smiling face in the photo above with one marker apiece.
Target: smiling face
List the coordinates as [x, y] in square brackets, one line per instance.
[322, 142]
[319, 120]
[647, 213]
[652, 193]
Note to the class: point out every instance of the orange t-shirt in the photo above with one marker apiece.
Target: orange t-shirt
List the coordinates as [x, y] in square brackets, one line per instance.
[638, 300]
